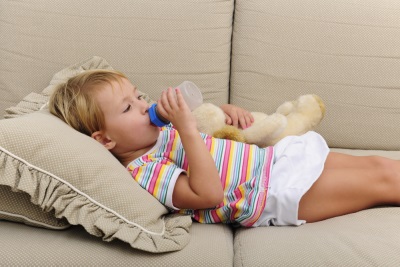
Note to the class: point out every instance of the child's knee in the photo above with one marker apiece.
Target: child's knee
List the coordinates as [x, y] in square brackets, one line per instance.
[389, 178]
[380, 162]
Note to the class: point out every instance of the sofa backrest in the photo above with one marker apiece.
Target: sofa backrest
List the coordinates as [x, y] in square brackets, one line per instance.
[156, 43]
[346, 52]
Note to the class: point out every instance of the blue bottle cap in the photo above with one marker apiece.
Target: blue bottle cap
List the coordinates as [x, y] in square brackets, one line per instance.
[154, 118]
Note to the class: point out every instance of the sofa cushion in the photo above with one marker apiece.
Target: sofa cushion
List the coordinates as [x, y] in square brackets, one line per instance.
[366, 238]
[210, 245]
[346, 53]
[155, 43]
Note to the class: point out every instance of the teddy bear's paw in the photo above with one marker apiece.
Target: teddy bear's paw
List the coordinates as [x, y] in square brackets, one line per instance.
[261, 132]
[286, 108]
[321, 104]
[279, 121]
[308, 114]
[229, 132]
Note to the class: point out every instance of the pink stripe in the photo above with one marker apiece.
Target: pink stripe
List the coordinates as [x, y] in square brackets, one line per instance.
[170, 141]
[134, 172]
[262, 200]
[185, 164]
[244, 166]
[145, 158]
[154, 178]
[225, 164]
[268, 167]
[215, 217]
[262, 197]
[208, 143]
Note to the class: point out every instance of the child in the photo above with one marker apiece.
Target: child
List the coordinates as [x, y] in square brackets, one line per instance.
[217, 180]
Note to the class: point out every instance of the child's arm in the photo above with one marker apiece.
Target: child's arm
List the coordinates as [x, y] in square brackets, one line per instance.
[202, 189]
[237, 116]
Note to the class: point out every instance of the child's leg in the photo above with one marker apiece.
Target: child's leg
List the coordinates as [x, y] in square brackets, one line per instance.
[341, 160]
[349, 184]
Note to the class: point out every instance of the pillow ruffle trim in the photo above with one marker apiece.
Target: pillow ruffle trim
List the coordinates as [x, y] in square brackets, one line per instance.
[50, 192]
[31, 103]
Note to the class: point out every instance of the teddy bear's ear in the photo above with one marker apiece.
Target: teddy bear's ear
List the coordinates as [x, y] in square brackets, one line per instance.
[230, 132]
[321, 105]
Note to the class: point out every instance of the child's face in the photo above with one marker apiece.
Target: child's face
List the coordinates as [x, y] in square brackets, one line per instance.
[128, 128]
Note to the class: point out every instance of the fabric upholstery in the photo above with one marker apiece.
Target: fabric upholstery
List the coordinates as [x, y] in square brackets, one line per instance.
[345, 51]
[335, 49]
[157, 44]
[365, 238]
[37, 101]
[210, 245]
[18, 207]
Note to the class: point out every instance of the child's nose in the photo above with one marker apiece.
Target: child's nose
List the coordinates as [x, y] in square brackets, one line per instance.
[146, 108]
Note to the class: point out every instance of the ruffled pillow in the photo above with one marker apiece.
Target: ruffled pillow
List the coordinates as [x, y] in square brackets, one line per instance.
[74, 177]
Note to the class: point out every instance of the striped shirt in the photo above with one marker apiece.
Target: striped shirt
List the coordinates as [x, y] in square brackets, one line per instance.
[244, 170]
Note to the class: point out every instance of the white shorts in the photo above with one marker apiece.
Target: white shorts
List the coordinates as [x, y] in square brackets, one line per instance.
[297, 164]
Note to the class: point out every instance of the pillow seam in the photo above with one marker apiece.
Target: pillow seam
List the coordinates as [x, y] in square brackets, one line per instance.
[34, 221]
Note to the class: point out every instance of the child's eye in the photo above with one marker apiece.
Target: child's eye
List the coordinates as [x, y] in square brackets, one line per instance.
[140, 97]
[127, 108]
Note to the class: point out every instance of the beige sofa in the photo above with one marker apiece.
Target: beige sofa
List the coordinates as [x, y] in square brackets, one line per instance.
[255, 54]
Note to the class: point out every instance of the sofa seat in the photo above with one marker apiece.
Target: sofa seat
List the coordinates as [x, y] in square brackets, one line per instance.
[32, 246]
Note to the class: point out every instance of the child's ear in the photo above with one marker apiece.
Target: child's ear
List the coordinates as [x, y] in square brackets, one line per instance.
[100, 137]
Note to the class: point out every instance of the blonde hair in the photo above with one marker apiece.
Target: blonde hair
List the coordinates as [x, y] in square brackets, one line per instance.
[74, 101]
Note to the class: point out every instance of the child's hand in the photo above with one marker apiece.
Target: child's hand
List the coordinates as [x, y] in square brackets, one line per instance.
[173, 107]
[237, 116]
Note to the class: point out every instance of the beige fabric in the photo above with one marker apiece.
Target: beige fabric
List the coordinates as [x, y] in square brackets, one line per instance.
[72, 174]
[210, 245]
[348, 53]
[34, 102]
[156, 43]
[366, 238]
[358, 152]
[19, 208]
[30, 103]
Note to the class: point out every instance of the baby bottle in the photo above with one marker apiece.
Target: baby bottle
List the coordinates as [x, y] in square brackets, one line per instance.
[192, 96]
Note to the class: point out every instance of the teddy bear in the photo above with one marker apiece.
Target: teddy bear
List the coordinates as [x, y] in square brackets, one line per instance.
[291, 118]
